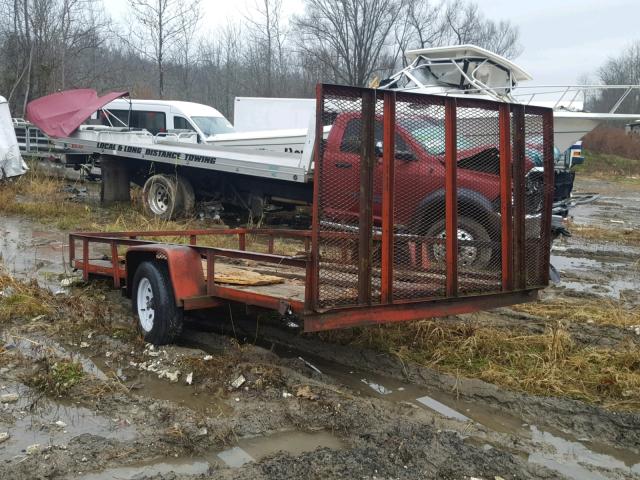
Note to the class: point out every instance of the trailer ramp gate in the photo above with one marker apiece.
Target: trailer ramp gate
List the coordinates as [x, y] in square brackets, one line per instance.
[440, 201]
[426, 206]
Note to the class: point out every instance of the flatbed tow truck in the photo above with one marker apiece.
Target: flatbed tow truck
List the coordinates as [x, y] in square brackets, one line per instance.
[371, 255]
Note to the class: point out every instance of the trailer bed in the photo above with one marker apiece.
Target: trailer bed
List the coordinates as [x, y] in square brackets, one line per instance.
[347, 270]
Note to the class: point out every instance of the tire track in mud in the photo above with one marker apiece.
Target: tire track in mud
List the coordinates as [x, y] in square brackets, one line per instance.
[599, 440]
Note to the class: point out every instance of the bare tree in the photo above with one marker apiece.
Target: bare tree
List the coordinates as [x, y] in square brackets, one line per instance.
[623, 69]
[265, 52]
[161, 23]
[463, 23]
[346, 37]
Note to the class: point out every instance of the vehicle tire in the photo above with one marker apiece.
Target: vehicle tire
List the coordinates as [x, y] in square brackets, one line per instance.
[186, 197]
[474, 257]
[153, 302]
[161, 197]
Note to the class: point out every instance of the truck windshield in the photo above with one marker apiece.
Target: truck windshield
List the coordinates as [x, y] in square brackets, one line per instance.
[213, 125]
[431, 137]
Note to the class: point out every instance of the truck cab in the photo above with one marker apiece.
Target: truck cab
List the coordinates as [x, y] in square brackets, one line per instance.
[419, 157]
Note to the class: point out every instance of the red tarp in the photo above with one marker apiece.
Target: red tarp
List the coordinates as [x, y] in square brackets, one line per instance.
[59, 114]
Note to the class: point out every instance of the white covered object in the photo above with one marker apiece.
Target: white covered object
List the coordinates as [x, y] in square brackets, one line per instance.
[11, 163]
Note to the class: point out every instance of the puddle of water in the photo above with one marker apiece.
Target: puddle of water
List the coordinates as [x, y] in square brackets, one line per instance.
[558, 450]
[294, 443]
[40, 348]
[376, 387]
[36, 423]
[182, 466]
[581, 263]
[605, 278]
[151, 386]
[235, 457]
[614, 288]
[30, 253]
[575, 460]
[247, 450]
[442, 409]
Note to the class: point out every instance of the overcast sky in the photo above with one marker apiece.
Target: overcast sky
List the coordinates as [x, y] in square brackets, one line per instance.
[562, 39]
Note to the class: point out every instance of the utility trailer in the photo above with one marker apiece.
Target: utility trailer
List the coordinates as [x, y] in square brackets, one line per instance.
[368, 267]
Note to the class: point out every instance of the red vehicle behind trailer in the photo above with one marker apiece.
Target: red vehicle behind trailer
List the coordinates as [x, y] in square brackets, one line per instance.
[398, 227]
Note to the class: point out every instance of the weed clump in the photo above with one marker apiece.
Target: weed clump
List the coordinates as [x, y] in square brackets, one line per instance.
[57, 378]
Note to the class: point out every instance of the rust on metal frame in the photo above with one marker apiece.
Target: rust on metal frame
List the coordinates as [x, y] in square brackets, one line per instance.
[519, 212]
[365, 224]
[184, 264]
[400, 312]
[506, 212]
[312, 280]
[545, 230]
[388, 194]
[451, 196]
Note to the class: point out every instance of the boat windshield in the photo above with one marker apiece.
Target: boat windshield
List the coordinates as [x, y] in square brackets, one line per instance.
[213, 125]
[448, 75]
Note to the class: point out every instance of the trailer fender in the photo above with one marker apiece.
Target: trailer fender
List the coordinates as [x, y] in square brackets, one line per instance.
[184, 265]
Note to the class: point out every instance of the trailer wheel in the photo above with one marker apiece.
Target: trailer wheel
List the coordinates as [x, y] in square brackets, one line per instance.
[160, 196]
[159, 318]
[469, 256]
[186, 197]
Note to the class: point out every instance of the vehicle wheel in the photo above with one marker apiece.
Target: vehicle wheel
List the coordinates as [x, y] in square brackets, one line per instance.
[469, 256]
[159, 318]
[186, 197]
[160, 196]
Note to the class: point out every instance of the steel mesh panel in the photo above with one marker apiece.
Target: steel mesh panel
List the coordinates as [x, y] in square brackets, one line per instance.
[478, 192]
[355, 268]
[535, 245]
[338, 198]
[419, 183]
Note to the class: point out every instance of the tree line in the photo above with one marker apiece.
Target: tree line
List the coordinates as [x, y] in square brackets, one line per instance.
[164, 50]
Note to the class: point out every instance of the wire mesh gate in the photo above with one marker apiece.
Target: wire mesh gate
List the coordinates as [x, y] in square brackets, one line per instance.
[421, 197]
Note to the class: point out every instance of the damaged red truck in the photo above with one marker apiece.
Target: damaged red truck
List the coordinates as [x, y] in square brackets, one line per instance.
[422, 206]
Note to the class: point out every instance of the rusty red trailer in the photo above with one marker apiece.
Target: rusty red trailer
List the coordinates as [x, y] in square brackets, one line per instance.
[376, 253]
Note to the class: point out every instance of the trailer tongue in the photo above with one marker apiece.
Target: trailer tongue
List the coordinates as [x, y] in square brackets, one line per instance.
[367, 259]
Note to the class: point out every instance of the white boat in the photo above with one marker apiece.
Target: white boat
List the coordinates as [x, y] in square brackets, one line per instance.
[461, 70]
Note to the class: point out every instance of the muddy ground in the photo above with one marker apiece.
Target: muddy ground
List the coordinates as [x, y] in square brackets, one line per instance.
[241, 399]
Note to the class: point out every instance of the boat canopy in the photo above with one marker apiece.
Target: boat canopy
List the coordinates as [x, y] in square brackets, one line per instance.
[462, 52]
[463, 68]
[60, 114]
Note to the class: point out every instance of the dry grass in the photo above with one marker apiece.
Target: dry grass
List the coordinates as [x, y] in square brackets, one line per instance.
[626, 236]
[601, 311]
[40, 197]
[22, 300]
[84, 308]
[547, 364]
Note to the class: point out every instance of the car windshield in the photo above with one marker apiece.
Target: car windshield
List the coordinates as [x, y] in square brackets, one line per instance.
[431, 137]
[213, 125]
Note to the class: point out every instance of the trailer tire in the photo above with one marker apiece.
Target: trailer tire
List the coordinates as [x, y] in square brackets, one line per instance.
[161, 196]
[153, 302]
[186, 197]
[477, 258]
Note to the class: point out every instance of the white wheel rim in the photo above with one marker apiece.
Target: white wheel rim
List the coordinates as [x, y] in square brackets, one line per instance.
[159, 198]
[146, 312]
[467, 254]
